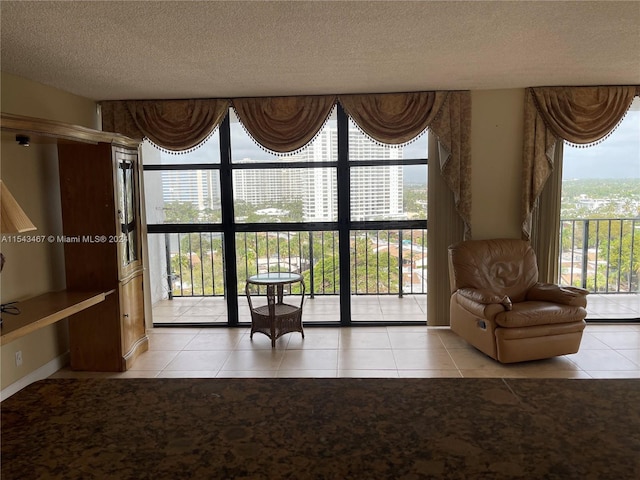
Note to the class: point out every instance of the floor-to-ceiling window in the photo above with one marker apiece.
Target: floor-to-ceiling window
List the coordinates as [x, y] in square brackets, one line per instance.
[600, 221]
[347, 213]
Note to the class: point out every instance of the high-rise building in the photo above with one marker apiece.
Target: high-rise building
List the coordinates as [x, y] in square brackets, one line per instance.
[376, 191]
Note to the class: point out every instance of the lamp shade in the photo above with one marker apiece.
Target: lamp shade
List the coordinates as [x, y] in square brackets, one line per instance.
[12, 217]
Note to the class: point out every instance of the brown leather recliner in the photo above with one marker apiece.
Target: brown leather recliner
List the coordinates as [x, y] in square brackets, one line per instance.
[499, 307]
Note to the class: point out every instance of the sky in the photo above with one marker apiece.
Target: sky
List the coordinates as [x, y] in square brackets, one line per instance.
[618, 156]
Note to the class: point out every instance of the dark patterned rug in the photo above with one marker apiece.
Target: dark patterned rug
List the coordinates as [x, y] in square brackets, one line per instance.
[322, 429]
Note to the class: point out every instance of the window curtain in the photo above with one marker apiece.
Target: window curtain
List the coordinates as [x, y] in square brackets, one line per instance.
[396, 118]
[284, 124]
[175, 125]
[545, 232]
[580, 115]
[393, 118]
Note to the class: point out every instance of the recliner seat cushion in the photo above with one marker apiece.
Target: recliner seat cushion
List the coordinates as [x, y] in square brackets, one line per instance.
[527, 314]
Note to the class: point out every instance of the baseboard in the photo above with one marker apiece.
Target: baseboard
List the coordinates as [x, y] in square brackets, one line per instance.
[44, 371]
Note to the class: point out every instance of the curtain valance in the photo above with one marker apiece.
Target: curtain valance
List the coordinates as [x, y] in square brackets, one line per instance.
[580, 115]
[284, 124]
[171, 124]
[393, 118]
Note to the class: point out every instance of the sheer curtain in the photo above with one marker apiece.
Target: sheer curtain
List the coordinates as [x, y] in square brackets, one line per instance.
[580, 115]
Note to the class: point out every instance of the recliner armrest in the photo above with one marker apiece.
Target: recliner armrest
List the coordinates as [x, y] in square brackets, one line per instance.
[550, 292]
[485, 297]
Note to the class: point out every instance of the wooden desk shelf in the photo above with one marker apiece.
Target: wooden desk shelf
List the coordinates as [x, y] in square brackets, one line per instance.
[43, 310]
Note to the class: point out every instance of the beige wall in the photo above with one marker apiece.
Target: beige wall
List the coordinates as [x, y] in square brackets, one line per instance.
[32, 176]
[497, 122]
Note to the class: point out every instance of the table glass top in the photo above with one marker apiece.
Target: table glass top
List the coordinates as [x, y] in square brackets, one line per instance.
[274, 278]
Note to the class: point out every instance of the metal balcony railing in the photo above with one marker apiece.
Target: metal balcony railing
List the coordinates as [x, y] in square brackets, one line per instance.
[383, 262]
[601, 255]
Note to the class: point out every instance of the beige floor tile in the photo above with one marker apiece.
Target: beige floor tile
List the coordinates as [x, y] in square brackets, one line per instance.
[66, 372]
[314, 338]
[452, 340]
[204, 311]
[626, 340]
[366, 360]
[154, 360]
[601, 360]
[591, 341]
[429, 373]
[413, 340]
[307, 373]
[199, 360]
[614, 373]
[261, 342]
[310, 360]
[213, 341]
[254, 360]
[188, 374]
[346, 373]
[247, 374]
[355, 339]
[631, 354]
[412, 328]
[489, 373]
[472, 359]
[137, 374]
[177, 341]
[423, 359]
[174, 330]
[402, 317]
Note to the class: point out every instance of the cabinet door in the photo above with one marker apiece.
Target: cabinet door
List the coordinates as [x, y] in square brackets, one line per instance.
[126, 172]
[134, 339]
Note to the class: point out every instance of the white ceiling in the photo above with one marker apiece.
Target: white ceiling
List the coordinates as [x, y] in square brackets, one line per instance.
[188, 49]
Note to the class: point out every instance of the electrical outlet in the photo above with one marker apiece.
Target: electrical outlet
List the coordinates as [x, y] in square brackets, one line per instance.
[18, 358]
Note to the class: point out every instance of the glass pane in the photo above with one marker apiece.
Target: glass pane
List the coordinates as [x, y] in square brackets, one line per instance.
[600, 215]
[182, 196]
[377, 257]
[313, 255]
[206, 152]
[187, 264]
[361, 147]
[324, 148]
[285, 195]
[391, 192]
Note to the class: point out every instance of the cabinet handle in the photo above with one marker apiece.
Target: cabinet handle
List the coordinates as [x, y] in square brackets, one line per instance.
[126, 315]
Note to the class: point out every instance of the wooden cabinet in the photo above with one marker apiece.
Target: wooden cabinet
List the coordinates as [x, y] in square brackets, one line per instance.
[102, 245]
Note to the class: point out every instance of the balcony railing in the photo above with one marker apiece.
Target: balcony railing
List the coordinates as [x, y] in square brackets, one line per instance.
[601, 255]
[383, 262]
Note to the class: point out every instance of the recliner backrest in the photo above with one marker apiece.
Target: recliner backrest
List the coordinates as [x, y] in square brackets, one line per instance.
[503, 266]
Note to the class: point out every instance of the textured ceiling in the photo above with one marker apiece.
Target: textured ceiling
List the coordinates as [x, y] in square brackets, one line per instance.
[149, 49]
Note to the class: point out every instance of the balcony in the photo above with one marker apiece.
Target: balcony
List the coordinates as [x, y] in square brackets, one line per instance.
[387, 272]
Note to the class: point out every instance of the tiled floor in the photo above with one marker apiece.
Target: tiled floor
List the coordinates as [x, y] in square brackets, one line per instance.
[364, 308]
[607, 351]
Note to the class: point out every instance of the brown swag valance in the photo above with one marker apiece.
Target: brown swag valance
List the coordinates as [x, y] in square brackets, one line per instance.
[393, 118]
[171, 124]
[284, 124]
[579, 115]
